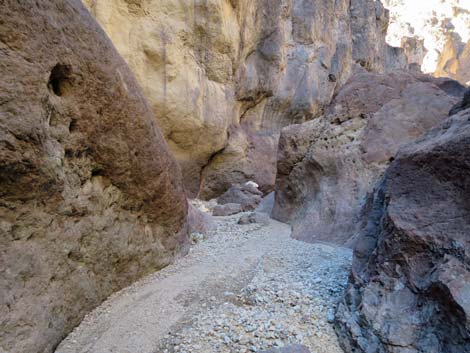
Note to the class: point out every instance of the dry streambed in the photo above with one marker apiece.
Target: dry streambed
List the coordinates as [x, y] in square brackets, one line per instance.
[244, 288]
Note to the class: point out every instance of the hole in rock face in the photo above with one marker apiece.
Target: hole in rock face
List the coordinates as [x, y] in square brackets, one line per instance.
[391, 159]
[59, 80]
[72, 125]
[96, 172]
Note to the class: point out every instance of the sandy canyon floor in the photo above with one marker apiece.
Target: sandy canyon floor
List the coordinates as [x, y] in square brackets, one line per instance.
[243, 288]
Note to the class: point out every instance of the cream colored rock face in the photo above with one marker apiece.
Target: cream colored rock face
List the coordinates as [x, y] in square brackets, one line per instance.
[182, 53]
[224, 76]
[444, 28]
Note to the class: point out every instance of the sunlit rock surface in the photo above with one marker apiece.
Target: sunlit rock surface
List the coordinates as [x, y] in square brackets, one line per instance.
[434, 33]
[223, 77]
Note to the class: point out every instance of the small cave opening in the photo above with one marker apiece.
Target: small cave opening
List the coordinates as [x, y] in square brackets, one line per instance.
[97, 172]
[60, 79]
[72, 125]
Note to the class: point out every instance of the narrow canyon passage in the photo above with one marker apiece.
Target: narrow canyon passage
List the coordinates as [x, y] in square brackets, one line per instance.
[187, 176]
[244, 288]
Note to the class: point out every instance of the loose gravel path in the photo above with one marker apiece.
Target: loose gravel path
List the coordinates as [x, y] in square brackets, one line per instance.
[245, 288]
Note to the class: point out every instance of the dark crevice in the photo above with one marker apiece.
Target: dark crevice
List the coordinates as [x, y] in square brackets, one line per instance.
[60, 79]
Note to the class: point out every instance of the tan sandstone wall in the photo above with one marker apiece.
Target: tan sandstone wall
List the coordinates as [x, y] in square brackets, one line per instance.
[223, 77]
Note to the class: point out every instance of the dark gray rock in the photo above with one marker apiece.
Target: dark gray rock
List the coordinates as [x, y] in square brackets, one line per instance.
[254, 217]
[295, 348]
[227, 209]
[462, 105]
[267, 204]
[409, 288]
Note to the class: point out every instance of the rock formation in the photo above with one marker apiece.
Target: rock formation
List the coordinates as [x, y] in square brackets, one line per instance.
[327, 166]
[409, 288]
[90, 198]
[435, 35]
[224, 76]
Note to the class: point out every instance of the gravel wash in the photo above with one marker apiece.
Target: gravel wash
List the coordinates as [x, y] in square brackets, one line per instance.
[242, 288]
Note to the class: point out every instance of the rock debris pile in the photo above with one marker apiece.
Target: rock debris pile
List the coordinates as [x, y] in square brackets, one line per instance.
[290, 300]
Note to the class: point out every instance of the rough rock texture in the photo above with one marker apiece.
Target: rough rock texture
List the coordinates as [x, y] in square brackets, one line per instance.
[247, 196]
[409, 288]
[224, 76]
[327, 166]
[435, 35]
[90, 198]
[254, 217]
[267, 203]
[199, 221]
[227, 209]
[295, 348]
[462, 105]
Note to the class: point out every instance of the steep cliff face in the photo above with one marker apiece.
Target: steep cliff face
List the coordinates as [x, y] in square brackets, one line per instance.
[409, 288]
[223, 77]
[90, 198]
[327, 166]
[435, 36]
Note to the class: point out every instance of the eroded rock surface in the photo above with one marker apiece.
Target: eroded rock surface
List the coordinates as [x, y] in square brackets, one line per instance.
[224, 76]
[327, 166]
[90, 198]
[409, 289]
[247, 195]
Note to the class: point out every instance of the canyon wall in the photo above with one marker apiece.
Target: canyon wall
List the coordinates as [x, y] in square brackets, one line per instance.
[327, 166]
[435, 35]
[224, 76]
[90, 197]
[409, 289]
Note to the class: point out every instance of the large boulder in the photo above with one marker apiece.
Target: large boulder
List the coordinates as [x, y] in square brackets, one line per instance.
[327, 166]
[247, 195]
[409, 288]
[224, 76]
[90, 198]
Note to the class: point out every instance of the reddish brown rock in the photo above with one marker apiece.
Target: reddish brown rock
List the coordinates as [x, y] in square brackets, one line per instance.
[409, 288]
[327, 166]
[90, 198]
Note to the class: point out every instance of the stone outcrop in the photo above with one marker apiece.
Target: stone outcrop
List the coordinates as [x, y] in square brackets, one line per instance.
[227, 209]
[409, 289]
[327, 166]
[247, 196]
[224, 76]
[435, 36]
[90, 197]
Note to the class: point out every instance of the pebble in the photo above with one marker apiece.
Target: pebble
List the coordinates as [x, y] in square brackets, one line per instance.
[290, 300]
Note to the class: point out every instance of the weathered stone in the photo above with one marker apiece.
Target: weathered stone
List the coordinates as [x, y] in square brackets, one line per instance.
[412, 256]
[224, 76]
[199, 221]
[295, 348]
[327, 166]
[267, 203]
[462, 105]
[246, 195]
[90, 198]
[254, 217]
[227, 209]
